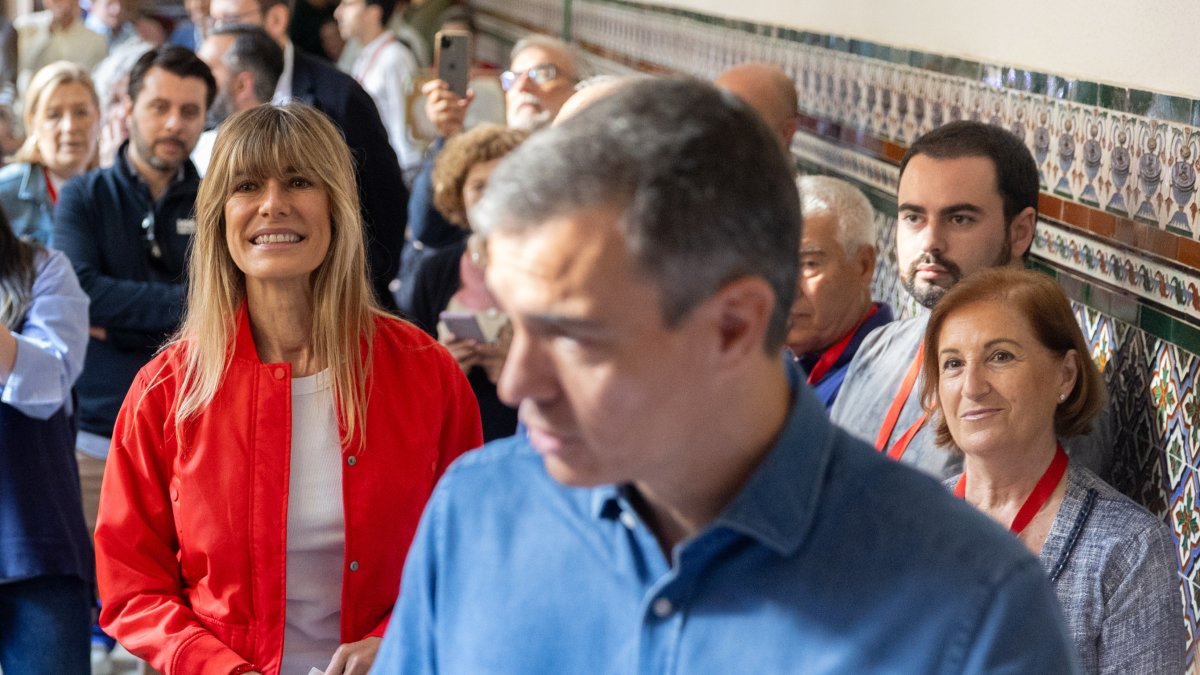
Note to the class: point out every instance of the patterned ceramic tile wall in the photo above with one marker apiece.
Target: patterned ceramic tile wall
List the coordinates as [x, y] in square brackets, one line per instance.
[1121, 218]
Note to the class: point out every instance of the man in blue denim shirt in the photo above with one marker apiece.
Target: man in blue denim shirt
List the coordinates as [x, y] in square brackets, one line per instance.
[679, 506]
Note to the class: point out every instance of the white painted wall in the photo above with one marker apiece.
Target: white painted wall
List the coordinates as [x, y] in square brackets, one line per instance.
[1144, 44]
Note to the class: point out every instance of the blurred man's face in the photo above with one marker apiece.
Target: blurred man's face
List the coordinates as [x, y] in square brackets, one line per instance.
[61, 11]
[166, 120]
[607, 391]
[212, 52]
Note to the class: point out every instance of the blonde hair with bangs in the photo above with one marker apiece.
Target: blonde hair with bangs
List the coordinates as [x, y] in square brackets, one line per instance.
[273, 142]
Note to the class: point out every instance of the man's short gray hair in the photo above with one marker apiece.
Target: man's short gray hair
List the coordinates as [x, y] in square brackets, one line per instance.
[550, 43]
[256, 52]
[849, 206]
[673, 154]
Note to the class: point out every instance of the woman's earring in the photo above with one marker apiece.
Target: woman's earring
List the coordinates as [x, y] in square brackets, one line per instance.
[1062, 397]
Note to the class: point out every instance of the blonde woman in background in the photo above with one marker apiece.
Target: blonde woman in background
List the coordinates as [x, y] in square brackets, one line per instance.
[269, 467]
[62, 123]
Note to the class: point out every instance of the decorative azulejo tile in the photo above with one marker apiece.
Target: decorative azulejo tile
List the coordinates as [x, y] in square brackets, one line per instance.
[1168, 285]
[1135, 158]
[1184, 514]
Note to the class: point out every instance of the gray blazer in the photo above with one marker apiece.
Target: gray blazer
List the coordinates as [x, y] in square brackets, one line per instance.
[1113, 568]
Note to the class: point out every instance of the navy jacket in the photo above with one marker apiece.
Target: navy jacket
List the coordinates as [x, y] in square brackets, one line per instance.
[135, 298]
[42, 532]
[381, 185]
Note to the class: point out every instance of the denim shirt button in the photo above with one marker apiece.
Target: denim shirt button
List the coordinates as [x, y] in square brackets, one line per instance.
[662, 608]
[628, 520]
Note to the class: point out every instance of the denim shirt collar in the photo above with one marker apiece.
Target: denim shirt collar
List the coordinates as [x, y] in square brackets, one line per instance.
[33, 184]
[779, 501]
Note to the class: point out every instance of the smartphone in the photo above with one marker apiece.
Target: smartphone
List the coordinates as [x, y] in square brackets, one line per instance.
[454, 59]
[464, 325]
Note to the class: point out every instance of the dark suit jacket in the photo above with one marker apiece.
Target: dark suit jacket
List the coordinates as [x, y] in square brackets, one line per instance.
[381, 185]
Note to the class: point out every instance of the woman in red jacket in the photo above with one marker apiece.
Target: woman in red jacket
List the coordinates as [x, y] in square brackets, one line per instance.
[269, 467]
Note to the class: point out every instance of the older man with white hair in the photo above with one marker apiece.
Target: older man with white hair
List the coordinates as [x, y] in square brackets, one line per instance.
[833, 311]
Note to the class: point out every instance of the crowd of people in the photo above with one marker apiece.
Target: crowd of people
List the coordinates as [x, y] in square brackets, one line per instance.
[256, 329]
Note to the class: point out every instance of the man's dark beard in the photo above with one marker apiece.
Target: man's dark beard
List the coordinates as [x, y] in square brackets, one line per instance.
[929, 295]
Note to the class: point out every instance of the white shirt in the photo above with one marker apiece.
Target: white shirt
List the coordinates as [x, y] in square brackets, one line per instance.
[202, 153]
[316, 530]
[283, 88]
[385, 68]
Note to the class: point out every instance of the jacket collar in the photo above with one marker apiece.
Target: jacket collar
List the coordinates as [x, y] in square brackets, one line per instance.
[33, 183]
[243, 339]
[124, 167]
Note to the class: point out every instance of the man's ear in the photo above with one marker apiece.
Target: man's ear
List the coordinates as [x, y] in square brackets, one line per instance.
[787, 131]
[864, 262]
[127, 105]
[1021, 230]
[741, 312]
[241, 90]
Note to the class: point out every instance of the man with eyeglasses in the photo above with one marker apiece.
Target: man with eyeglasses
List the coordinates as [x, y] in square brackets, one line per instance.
[541, 77]
[306, 78]
[126, 230]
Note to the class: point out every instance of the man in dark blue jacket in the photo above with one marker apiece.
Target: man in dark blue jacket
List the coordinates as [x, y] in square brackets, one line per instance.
[126, 229]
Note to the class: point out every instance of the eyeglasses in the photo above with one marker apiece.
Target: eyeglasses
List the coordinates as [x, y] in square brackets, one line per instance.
[149, 239]
[541, 75]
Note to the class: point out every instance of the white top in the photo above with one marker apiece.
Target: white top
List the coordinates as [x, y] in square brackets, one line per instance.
[202, 153]
[315, 529]
[385, 68]
[283, 88]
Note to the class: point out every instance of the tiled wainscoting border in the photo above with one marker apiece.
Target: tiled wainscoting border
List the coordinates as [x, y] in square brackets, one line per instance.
[1120, 225]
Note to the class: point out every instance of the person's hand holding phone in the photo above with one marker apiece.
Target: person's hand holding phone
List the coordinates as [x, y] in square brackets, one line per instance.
[491, 355]
[444, 108]
[464, 350]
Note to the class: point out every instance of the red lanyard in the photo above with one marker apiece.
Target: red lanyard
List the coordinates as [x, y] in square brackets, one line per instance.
[50, 186]
[831, 355]
[1036, 499]
[374, 55]
[893, 413]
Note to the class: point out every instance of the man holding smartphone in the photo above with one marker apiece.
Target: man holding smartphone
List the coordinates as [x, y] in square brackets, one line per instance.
[541, 77]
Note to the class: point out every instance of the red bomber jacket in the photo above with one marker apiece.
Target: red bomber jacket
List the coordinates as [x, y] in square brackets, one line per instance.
[191, 539]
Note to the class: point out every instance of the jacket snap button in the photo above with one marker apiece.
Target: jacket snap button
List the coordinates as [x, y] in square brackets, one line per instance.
[279, 373]
[353, 565]
[352, 460]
